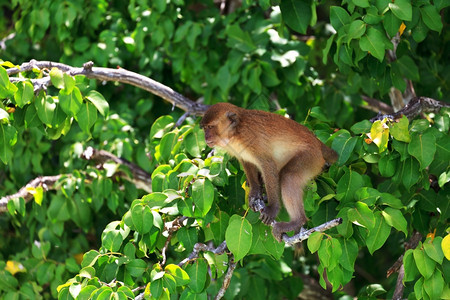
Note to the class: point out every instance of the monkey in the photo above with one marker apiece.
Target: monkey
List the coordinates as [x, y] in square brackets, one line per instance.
[273, 150]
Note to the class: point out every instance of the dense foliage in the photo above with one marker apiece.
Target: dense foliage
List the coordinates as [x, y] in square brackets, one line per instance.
[99, 236]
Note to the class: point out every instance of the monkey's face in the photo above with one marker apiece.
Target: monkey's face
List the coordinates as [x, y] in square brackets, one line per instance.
[218, 132]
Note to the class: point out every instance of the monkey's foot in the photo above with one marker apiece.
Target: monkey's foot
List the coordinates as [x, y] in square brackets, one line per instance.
[268, 214]
[282, 227]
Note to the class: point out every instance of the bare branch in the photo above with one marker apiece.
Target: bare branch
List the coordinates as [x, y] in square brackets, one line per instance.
[108, 74]
[227, 278]
[171, 228]
[377, 105]
[415, 107]
[26, 192]
[141, 178]
[222, 248]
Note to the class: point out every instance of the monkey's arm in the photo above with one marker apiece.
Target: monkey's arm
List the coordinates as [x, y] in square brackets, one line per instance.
[271, 180]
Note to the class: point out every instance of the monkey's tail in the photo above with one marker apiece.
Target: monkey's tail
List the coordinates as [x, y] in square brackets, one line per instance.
[329, 154]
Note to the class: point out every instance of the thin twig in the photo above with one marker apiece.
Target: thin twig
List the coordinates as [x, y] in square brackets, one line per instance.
[227, 279]
[171, 228]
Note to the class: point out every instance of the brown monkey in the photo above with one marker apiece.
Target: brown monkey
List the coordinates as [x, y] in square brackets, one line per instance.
[284, 153]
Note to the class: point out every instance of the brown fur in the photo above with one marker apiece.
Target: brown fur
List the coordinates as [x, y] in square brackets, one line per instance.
[286, 155]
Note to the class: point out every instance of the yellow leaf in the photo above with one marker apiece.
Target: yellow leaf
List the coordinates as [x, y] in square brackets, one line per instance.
[402, 28]
[78, 257]
[38, 194]
[14, 267]
[379, 133]
[445, 244]
[247, 191]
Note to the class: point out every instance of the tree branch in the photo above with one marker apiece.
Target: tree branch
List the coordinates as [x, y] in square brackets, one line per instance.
[108, 74]
[415, 107]
[399, 267]
[26, 192]
[140, 178]
[304, 233]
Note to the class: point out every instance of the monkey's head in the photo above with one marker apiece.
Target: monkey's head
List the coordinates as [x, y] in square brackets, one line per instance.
[219, 123]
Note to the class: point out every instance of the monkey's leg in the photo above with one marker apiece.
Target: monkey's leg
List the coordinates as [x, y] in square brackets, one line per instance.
[271, 180]
[293, 178]
[292, 185]
[253, 180]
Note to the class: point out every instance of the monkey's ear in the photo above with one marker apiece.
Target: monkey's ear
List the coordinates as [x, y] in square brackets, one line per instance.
[233, 118]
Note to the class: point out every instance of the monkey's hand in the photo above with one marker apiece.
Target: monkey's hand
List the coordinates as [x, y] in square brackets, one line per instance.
[256, 201]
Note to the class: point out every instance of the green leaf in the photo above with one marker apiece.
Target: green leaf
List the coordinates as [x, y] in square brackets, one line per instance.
[372, 17]
[388, 164]
[408, 68]
[45, 106]
[297, 14]
[198, 272]
[356, 30]
[361, 127]
[69, 83]
[395, 218]
[203, 196]
[324, 252]
[86, 117]
[219, 227]
[239, 39]
[402, 9]
[8, 135]
[399, 130]
[434, 285]
[390, 200]
[425, 264]
[314, 241]
[239, 236]
[180, 275]
[99, 101]
[431, 17]
[167, 144]
[24, 94]
[433, 249]
[378, 234]
[70, 102]
[56, 76]
[391, 24]
[373, 42]
[161, 126]
[112, 240]
[411, 271]
[339, 17]
[397, 77]
[349, 183]
[136, 267]
[349, 254]
[344, 144]
[423, 147]
[89, 258]
[142, 218]
[362, 215]
[368, 195]
[409, 172]
[195, 142]
[361, 3]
